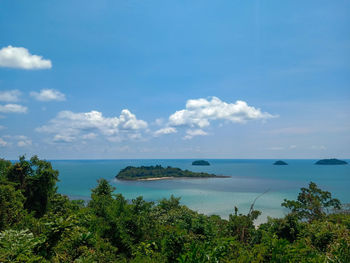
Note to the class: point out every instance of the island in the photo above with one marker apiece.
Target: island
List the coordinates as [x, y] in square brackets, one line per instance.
[280, 163]
[200, 162]
[332, 161]
[150, 173]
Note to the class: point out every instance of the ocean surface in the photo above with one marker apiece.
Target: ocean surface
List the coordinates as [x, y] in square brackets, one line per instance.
[249, 179]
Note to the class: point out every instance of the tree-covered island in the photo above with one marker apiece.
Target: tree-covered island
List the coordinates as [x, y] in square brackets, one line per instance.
[200, 162]
[279, 162]
[332, 161]
[159, 172]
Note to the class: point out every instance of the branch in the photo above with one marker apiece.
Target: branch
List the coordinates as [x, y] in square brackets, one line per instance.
[256, 198]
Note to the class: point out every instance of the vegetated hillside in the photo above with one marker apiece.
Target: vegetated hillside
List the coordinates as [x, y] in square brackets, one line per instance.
[143, 172]
[37, 224]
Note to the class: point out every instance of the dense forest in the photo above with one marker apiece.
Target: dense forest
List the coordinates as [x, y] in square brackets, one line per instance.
[37, 224]
[144, 172]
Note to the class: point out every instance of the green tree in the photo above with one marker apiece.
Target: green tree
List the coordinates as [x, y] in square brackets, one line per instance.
[241, 225]
[11, 206]
[4, 166]
[37, 180]
[101, 197]
[312, 203]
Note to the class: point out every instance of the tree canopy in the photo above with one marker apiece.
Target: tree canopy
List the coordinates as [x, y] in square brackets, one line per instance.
[312, 203]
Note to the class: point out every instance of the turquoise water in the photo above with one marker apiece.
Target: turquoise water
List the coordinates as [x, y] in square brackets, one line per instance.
[249, 178]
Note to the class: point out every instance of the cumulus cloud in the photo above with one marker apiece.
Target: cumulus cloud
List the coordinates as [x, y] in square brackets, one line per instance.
[23, 141]
[3, 143]
[19, 57]
[10, 95]
[68, 126]
[13, 108]
[48, 95]
[192, 133]
[199, 113]
[19, 140]
[276, 148]
[166, 130]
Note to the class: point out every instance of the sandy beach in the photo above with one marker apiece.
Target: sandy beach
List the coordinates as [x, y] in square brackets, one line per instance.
[155, 178]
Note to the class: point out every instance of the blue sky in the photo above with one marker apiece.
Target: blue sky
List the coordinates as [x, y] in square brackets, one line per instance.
[175, 79]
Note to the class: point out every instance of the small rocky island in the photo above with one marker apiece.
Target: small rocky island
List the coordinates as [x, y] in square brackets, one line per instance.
[279, 162]
[158, 172]
[200, 162]
[330, 162]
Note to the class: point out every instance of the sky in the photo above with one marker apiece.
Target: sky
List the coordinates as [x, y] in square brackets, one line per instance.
[233, 79]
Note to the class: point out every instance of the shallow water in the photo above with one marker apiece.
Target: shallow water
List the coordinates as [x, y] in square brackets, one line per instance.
[249, 178]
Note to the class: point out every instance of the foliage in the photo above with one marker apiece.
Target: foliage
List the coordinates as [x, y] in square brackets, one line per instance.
[112, 229]
[11, 206]
[242, 226]
[18, 246]
[312, 203]
[37, 181]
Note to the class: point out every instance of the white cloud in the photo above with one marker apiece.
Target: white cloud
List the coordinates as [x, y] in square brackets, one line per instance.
[19, 140]
[166, 130]
[2, 127]
[276, 148]
[23, 141]
[19, 57]
[318, 147]
[3, 143]
[159, 121]
[90, 135]
[10, 95]
[199, 113]
[13, 108]
[63, 138]
[69, 126]
[192, 133]
[48, 95]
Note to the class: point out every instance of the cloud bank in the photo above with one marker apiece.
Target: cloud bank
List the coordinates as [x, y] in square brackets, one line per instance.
[48, 95]
[3, 143]
[13, 108]
[68, 126]
[23, 141]
[10, 95]
[18, 140]
[19, 57]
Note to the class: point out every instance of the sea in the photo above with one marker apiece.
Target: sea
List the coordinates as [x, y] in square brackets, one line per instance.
[249, 180]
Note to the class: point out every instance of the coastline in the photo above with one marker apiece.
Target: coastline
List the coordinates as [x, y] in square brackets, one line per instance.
[172, 178]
